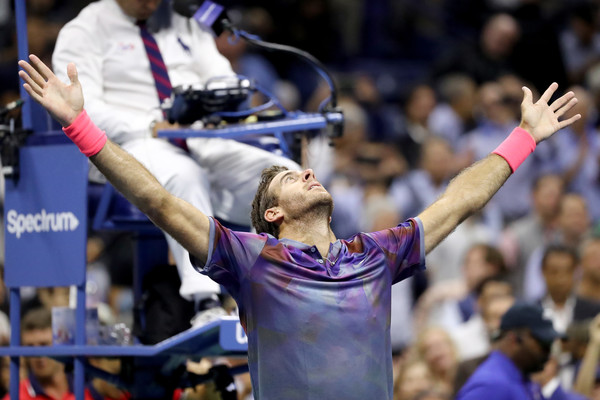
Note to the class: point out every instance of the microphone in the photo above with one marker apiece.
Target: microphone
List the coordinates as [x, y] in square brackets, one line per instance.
[208, 14]
[13, 105]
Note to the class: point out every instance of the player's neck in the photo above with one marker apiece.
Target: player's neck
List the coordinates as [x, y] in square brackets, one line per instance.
[313, 233]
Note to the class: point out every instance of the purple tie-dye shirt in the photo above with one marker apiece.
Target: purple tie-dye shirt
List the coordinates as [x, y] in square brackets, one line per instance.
[318, 327]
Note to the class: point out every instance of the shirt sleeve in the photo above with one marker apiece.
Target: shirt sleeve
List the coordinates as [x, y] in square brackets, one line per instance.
[404, 247]
[232, 254]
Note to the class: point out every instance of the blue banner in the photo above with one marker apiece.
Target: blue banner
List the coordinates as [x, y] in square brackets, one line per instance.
[45, 215]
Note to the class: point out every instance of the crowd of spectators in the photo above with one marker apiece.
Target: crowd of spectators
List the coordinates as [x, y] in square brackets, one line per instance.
[427, 88]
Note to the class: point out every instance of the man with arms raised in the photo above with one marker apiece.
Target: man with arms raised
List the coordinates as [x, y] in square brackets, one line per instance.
[316, 309]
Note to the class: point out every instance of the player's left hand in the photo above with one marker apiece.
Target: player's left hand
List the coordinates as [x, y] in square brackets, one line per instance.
[542, 120]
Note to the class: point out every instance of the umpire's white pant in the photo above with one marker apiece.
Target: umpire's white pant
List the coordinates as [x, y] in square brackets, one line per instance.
[218, 176]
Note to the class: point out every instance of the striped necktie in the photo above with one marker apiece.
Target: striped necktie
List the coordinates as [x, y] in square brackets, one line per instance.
[157, 65]
[159, 73]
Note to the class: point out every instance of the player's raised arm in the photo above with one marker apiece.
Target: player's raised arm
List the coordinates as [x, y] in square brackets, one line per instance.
[64, 102]
[475, 186]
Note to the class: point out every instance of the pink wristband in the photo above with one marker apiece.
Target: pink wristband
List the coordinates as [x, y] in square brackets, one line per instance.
[516, 147]
[85, 134]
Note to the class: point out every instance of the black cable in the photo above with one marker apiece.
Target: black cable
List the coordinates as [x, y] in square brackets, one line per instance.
[307, 57]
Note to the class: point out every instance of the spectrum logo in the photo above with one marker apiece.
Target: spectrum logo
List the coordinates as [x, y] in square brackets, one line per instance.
[43, 221]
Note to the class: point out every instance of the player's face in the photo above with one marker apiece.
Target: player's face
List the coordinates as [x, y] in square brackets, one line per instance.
[298, 192]
[139, 9]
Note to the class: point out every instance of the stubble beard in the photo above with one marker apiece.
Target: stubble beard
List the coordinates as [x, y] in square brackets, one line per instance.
[322, 209]
[316, 211]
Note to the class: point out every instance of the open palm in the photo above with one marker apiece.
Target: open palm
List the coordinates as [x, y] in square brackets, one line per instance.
[542, 120]
[63, 101]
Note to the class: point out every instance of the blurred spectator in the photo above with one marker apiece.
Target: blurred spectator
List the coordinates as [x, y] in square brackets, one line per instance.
[523, 348]
[579, 153]
[445, 261]
[378, 165]
[244, 58]
[46, 377]
[365, 188]
[381, 113]
[573, 227]
[451, 303]
[472, 338]
[414, 378]
[589, 284]
[109, 275]
[453, 116]
[46, 297]
[580, 41]
[334, 158]
[414, 191]
[435, 346]
[411, 129]
[512, 89]
[489, 57]
[246, 63]
[561, 304]
[524, 235]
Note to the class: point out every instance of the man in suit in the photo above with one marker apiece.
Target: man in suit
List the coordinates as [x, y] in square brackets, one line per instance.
[561, 303]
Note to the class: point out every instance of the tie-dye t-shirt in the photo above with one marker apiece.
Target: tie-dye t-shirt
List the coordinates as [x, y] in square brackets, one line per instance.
[318, 327]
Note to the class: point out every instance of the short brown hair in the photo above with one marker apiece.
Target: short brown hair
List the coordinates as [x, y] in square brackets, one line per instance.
[560, 249]
[263, 200]
[39, 318]
[492, 256]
